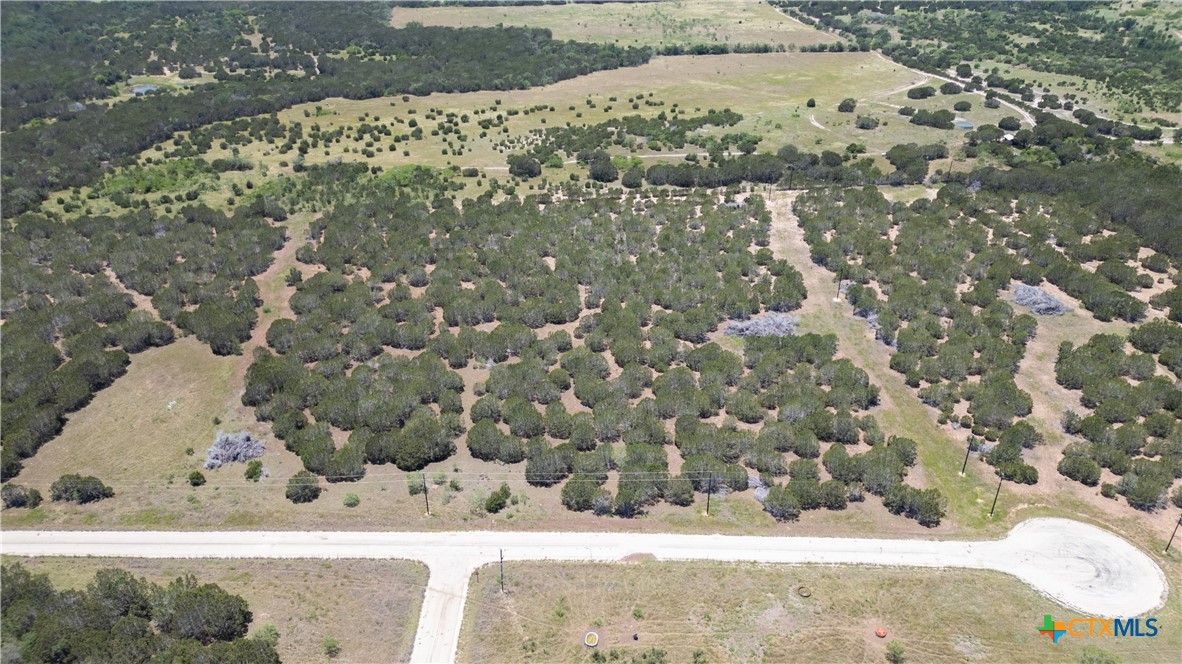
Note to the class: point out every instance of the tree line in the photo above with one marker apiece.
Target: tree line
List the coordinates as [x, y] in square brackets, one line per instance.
[119, 618]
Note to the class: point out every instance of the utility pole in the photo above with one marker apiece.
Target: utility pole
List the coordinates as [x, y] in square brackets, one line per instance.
[502, 571]
[425, 499]
[1174, 533]
[1000, 479]
[709, 492]
[968, 449]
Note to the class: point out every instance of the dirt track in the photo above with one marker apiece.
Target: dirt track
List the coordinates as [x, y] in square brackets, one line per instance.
[1083, 567]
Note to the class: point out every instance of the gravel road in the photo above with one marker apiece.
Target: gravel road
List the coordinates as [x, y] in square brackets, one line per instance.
[1085, 568]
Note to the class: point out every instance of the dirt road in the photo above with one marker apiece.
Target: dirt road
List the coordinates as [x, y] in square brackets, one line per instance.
[1083, 567]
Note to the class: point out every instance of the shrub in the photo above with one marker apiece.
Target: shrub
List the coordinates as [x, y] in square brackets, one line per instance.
[1108, 490]
[811, 103]
[1176, 498]
[332, 647]
[196, 478]
[834, 495]
[950, 88]
[303, 487]
[847, 105]
[921, 92]
[15, 495]
[864, 122]
[679, 491]
[962, 106]
[254, 470]
[415, 484]
[925, 506]
[1081, 470]
[352, 500]
[1009, 123]
[582, 492]
[781, 504]
[497, 499]
[78, 489]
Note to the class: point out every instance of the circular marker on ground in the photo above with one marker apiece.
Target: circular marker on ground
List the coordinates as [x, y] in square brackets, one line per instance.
[804, 591]
[591, 640]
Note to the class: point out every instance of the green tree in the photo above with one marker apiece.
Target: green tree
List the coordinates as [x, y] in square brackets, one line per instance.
[303, 487]
[201, 612]
[782, 504]
[75, 488]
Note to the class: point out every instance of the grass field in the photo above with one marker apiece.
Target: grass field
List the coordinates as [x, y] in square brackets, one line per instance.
[752, 613]
[141, 427]
[640, 24]
[769, 90]
[370, 606]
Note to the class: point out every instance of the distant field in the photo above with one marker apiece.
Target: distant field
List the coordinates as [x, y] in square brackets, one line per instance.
[635, 24]
[752, 613]
[770, 90]
[370, 606]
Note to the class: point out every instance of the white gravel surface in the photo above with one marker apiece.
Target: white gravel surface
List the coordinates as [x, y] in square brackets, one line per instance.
[1082, 567]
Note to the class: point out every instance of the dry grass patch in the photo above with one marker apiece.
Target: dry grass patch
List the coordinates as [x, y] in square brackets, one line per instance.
[750, 613]
[639, 24]
[370, 606]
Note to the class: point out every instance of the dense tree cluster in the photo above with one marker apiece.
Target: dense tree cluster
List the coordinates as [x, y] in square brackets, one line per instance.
[903, 264]
[413, 293]
[1132, 428]
[672, 129]
[119, 618]
[69, 317]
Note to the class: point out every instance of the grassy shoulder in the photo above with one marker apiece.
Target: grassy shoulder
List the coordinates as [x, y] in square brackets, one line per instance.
[370, 607]
[744, 612]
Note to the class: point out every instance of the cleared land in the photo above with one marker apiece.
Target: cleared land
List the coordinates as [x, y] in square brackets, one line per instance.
[370, 607]
[751, 613]
[640, 24]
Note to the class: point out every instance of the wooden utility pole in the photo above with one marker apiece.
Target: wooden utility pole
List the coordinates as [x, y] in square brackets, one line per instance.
[1000, 479]
[502, 571]
[425, 499]
[968, 449]
[709, 492]
[1174, 533]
